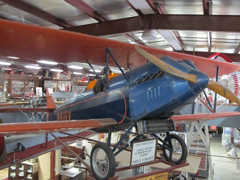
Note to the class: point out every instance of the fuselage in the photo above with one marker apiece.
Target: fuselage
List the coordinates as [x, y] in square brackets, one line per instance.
[150, 94]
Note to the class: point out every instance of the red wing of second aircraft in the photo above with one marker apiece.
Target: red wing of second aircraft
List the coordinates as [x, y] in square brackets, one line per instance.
[38, 43]
[202, 117]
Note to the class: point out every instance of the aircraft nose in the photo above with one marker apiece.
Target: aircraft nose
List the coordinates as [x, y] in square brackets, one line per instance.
[202, 82]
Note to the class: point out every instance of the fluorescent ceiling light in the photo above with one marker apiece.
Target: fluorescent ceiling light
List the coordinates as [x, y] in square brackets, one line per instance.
[47, 62]
[32, 67]
[12, 57]
[5, 63]
[56, 70]
[77, 73]
[74, 67]
[171, 39]
[7, 69]
[149, 35]
[96, 70]
[91, 74]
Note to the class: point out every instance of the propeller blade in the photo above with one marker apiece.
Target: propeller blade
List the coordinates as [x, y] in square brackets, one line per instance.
[166, 67]
[223, 91]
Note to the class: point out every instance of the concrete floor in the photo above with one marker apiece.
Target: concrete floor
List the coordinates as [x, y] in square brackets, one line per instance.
[224, 166]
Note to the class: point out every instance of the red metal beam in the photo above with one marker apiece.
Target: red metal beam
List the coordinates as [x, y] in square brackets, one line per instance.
[37, 12]
[206, 7]
[236, 51]
[157, 7]
[134, 39]
[15, 158]
[177, 35]
[79, 4]
[169, 22]
[136, 10]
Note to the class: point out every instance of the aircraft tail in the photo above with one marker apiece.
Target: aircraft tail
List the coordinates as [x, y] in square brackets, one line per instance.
[50, 102]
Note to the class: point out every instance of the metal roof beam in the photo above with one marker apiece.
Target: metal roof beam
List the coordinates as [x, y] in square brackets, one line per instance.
[207, 10]
[171, 39]
[157, 7]
[169, 22]
[37, 12]
[79, 4]
[209, 41]
[236, 51]
[135, 39]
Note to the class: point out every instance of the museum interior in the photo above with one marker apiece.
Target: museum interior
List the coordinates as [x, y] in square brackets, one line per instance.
[121, 89]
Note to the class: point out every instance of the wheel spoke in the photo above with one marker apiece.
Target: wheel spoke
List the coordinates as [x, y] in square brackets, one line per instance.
[102, 161]
[178, 151]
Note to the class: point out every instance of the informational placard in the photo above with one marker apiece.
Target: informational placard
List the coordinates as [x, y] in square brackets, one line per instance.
[39, 91]
[143, 151]
[79, 144]
[162, 176]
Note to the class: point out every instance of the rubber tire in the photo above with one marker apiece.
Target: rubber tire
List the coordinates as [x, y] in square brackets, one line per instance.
[111, 158]
[184, 150]
[175, 177]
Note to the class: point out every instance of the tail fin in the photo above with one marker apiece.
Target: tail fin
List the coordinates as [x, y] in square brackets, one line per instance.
[50, 102]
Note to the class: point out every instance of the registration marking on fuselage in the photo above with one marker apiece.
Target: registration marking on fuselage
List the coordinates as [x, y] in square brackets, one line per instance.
[64, 115]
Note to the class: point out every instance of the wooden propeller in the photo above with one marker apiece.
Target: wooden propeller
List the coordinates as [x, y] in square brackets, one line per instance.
[216, 87]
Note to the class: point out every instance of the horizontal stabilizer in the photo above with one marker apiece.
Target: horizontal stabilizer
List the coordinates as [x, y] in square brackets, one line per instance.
[202, 117]
[54, 126]
[18, 110]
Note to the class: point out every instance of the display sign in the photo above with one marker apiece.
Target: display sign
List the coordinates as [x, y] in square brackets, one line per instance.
[39, 91]
[50, 90]
[143, 151]
[162, 176]
[79, 144]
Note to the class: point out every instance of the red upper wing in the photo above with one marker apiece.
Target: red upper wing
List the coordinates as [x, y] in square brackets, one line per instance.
[34, 42]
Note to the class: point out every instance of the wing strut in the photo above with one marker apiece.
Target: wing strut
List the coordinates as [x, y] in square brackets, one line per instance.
[77, 156]
[109, 52]
[215, 100]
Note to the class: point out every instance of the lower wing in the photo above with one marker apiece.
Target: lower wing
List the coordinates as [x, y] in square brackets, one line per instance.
[54, 126]
[202, 117]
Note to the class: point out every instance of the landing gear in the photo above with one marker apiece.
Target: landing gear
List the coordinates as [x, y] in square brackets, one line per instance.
[178, 149]
[103, 162]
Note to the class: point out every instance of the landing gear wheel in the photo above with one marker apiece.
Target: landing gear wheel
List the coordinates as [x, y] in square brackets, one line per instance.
[179, 177]
[179, 150]
[103, 162]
